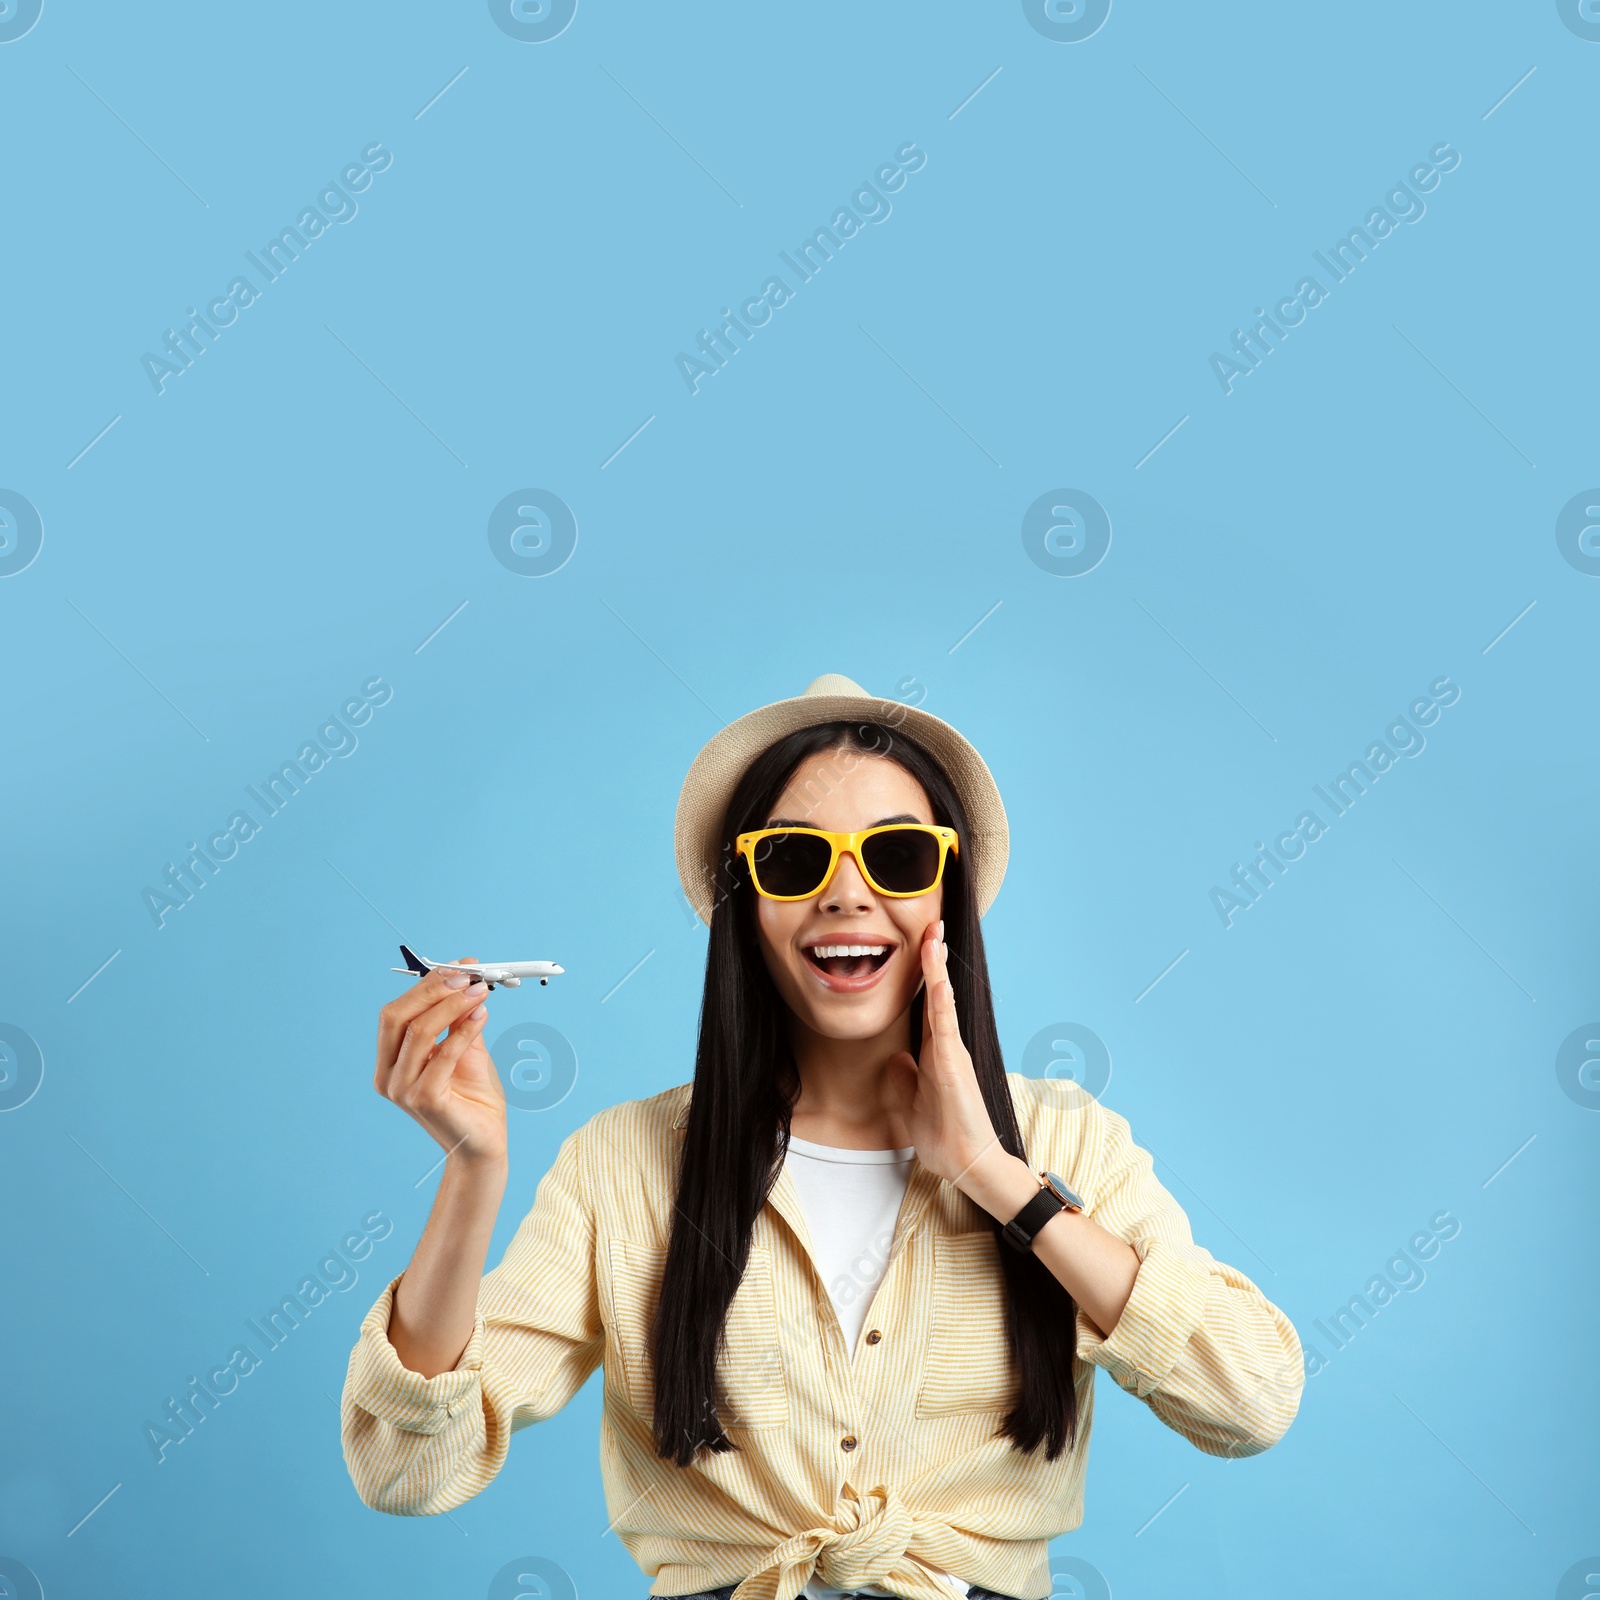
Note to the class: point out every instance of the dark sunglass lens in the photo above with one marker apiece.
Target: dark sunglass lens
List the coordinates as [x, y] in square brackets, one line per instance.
[791, 863]
[902, 860]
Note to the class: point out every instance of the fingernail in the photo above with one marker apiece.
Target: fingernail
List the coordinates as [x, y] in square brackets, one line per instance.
[480, 1013]
[940, 934]
[457, 980]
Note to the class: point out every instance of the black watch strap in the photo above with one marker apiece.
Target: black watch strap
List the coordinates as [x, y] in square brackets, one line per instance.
[1023, 1228]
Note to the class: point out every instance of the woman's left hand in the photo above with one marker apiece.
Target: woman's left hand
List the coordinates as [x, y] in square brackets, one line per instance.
[937, 1095]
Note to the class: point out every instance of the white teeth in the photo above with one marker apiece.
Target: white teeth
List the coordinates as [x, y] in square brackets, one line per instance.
[823, 952]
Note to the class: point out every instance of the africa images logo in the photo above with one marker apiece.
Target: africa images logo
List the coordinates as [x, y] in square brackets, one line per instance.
[335, 739]
[1401, 738]
[335, 202]
[1402, 203]
[869, 203]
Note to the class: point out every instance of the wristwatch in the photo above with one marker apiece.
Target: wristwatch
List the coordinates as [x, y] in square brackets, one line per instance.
[1053, 1196]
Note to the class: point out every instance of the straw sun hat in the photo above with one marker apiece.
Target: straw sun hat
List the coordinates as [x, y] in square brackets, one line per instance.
[716, 772]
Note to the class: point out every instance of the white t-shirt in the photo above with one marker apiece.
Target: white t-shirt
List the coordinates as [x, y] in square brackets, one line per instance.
[851, 1199]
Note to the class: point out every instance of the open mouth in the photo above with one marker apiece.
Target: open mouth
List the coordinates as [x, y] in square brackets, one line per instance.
[848, 961]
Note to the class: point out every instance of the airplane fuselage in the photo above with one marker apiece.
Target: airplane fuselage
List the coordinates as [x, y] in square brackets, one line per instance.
[509, 974]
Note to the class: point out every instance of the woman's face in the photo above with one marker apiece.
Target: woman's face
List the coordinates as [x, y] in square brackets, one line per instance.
[842, 996]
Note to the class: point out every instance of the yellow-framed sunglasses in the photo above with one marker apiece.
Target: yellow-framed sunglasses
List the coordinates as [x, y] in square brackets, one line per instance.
[899, 859]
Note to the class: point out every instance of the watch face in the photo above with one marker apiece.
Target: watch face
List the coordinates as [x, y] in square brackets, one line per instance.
[1060, 1187]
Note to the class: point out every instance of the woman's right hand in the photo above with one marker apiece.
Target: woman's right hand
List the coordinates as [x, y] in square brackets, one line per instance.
[452, 1087]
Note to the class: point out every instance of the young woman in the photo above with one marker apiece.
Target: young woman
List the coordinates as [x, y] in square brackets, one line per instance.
[850, 1286]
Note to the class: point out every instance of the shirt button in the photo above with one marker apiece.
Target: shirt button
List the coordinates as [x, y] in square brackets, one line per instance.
[848, 1442]
[874, 1336]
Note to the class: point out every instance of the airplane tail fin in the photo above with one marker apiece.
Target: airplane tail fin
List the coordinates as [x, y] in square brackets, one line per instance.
[414, 962]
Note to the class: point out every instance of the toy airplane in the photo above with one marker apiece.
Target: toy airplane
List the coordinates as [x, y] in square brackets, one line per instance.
[509, 974]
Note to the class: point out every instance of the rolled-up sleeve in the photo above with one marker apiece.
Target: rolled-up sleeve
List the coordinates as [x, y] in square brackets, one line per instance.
[1197, 1341]
[415, 1446]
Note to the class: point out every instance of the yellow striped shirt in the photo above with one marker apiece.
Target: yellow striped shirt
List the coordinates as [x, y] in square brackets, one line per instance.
[921, 1487]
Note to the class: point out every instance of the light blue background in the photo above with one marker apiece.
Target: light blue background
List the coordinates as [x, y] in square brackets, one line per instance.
[1368, 511]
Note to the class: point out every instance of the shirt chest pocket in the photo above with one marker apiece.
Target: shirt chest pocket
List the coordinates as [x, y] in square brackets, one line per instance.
[968, 1364]
[752, 1391]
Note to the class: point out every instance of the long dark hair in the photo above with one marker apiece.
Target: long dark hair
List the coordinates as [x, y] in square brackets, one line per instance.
[746, 1086]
